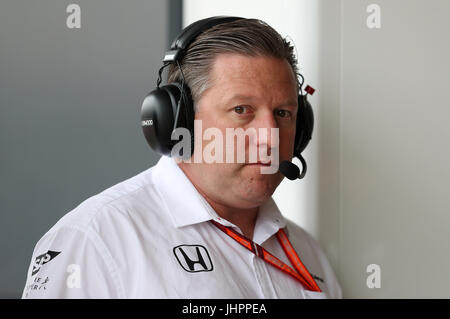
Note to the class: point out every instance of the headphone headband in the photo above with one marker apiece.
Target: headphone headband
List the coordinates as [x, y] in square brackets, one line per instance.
[188, 35]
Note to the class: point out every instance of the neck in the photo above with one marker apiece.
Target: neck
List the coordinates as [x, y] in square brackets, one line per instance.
[245, 219]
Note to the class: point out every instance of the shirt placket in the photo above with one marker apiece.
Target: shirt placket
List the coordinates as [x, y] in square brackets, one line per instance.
[263, 278]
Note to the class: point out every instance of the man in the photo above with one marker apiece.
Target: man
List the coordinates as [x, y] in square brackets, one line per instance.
[190, 229]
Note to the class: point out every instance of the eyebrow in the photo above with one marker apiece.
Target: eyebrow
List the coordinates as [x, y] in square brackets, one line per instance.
[243, 97]
[239, 97]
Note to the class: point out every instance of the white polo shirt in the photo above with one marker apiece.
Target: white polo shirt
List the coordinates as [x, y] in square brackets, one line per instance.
[150, 237]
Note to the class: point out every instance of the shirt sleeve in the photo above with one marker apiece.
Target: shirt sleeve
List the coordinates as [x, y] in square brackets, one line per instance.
[72, 263]
[333, 287]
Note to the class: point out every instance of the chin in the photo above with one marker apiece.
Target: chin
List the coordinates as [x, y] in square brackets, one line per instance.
[259, 190]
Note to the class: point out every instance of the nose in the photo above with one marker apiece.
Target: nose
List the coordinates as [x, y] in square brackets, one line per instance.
[267, 129]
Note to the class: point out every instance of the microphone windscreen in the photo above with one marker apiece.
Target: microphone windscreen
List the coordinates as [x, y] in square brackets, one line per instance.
[289, 170]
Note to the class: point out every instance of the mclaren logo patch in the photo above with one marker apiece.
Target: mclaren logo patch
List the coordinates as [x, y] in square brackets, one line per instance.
[42, 260]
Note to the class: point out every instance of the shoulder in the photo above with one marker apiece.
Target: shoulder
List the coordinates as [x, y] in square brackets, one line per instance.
[122, 200]
[116, 215]
[87, 236]
[311, 253]
[300, 237]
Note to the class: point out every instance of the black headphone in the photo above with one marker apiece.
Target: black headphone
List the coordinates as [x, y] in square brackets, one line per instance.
[161, 110]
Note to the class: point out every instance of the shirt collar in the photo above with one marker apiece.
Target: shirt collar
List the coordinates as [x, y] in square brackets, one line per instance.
[187, 206]
[269, 221]
[182, 199]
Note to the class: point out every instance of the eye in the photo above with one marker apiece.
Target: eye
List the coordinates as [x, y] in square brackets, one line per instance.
[283, 113]
[240, 109]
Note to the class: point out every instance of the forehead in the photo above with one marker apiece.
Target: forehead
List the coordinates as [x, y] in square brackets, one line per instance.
[255, 75]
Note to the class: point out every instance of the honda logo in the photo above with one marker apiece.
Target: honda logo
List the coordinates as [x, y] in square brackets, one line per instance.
[193, 258]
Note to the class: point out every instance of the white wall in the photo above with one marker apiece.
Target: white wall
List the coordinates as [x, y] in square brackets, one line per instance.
[376, 191]
[395, 177]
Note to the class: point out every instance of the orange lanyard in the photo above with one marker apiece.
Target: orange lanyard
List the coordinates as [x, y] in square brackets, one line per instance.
[300, 272]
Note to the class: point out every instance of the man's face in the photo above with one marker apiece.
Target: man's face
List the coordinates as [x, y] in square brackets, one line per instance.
[249, 93]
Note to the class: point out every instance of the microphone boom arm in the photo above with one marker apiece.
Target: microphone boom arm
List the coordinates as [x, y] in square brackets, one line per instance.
[302, 160]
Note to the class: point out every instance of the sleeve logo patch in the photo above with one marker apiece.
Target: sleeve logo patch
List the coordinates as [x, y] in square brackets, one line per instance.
[42, 260]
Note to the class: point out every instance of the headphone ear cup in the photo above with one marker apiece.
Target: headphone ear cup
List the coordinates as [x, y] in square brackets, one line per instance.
[305, 125]
[158, 114]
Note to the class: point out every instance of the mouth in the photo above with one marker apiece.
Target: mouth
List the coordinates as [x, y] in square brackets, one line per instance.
[259, 164]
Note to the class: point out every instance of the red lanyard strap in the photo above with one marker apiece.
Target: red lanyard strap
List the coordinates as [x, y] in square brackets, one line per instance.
[300, 273]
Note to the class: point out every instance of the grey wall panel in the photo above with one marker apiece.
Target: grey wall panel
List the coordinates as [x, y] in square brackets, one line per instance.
[69, 112]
